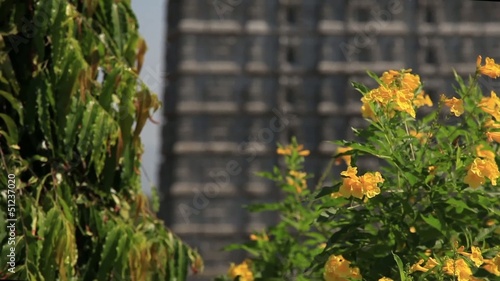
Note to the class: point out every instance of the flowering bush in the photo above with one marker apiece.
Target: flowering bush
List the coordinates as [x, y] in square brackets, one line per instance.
[430, 211]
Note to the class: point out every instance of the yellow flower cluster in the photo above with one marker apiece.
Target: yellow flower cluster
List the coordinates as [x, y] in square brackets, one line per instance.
[359, 186]
[490, 68]
[287, 150]
[337, 268]
[396, 92]
[298, 180]
[484, 166]
[242, 270]
[459, 267]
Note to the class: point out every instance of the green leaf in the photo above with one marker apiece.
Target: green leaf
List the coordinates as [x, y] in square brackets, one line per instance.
[11, 128]
[327, 190]
[432, 221]
[399, 262]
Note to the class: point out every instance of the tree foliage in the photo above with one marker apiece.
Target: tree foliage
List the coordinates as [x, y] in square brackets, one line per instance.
[72, 107]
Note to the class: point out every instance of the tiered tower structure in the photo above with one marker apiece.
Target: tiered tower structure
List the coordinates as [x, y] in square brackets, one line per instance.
[245, 74]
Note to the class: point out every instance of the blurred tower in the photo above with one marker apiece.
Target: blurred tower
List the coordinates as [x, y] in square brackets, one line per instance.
[245, 74]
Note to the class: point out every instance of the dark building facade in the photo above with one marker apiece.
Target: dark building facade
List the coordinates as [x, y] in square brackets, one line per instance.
[245, 74]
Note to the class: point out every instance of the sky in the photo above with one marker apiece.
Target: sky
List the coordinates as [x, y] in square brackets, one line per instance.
[151, 15]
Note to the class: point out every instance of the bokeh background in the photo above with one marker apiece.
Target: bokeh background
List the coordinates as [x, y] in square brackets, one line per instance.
[237, 76]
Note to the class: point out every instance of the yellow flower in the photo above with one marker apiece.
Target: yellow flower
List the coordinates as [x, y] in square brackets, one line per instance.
[491, 105]
[421, 136]
[369, 182]
[432, 170]
[259, 237]
[490, 124]
[367, 111]
[458, 268]
[490, 69]
[422, 99]
[481, 169]
[346, 158]
[456, 106]
[418, 267]
[430, 263]
[287, 150]
[355, 186]
[485, 153]
[493, 136]
[401, 79]
[493, 265]
[284, 151]
[242, 270]
[385, 279]
[337, 268]
[476, 255]
[413, 229]
[298, 180]
[397, 88]
[404, 103]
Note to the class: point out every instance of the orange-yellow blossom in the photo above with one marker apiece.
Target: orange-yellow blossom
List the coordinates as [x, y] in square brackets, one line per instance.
[481, 169]
[493, 265]
[396, 92]
[259, 237]
[476, 255]
[422, 99]
[401, 79]
[385, 279]
[337, 268]
[298, 180]
[493, 136]
[429, 264]
[490, 68]
[491, 105]
[287, 150]
[242, 270]
[456, 105]
[484, 153]
[458, 268]
[346, 158]
[358, 186]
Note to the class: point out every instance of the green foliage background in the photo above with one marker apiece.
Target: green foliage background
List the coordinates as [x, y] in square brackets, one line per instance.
[72, 107]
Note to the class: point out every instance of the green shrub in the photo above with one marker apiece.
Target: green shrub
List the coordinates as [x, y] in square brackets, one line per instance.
[430, 212]
[72, 107]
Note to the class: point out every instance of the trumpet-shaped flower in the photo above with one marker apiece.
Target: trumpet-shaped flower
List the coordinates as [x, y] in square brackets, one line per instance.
[355, 186]
[422, 99]
[481, 169]
[337, 268]
[484, 153]
[346, 158]
[493, 136]
[456, 106]
[242, 270]
[491, 105]
[287, 150]
[490, 68]
[298, 180]
[458, 268]
[493, 265]
[476, 256]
